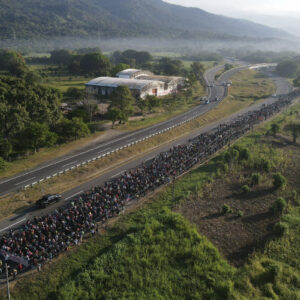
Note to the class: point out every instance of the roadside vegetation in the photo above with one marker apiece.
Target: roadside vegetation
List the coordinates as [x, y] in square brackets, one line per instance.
[17, 201]
[33, 119]
[153, 251]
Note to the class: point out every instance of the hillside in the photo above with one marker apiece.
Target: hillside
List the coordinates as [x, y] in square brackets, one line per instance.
[119, 18]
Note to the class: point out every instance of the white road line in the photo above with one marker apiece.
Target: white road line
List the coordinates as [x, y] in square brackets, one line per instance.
[13, 225]
[24, 181]
[74, 195]
[73, 162]
[116, 175]
[150, 158]
[107, 143]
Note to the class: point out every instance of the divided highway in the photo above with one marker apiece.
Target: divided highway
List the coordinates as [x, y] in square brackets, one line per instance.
[41, 172]
[283, 87]
[215, 90]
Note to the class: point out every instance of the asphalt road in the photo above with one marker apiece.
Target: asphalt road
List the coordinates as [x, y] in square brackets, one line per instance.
[283, 87]
[60, 164]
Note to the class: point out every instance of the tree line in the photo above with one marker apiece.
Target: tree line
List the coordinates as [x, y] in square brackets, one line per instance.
[30, 118]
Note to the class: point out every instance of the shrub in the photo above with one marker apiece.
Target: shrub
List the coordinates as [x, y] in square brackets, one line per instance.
[278, 206]
[245, 189]
[244, 154]
[226, 209]
[240, 213]
[280, 228]
[3, 164]
[262, 165]
[255, 179]
[279, 181]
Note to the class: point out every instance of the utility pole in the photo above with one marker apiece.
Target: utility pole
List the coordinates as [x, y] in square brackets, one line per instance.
[7, 281]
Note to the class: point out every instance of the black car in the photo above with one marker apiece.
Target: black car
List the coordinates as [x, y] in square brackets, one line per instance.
[48, 200]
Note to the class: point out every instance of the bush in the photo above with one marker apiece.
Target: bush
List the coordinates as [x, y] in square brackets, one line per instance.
[226, 209]
[240, 213]
[279, 181]
[244, 154]
[3, 164]
[278, 206]
[245, 189]
[262, 165]
[280, 228]
[255, 179]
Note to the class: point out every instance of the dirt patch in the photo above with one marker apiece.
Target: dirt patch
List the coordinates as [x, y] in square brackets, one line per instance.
[234, 236]
[250, 224]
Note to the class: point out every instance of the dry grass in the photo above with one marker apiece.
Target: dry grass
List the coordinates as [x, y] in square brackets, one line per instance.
[47, 154]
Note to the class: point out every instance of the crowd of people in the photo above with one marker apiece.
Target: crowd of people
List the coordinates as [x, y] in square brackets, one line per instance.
[43, 238]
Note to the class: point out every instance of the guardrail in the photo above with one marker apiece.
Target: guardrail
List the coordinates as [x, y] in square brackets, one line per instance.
[115, 150]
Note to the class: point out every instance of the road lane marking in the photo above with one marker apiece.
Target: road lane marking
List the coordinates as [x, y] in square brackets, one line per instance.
[24, 181]
[74, 195]
[13, 225]
[116, 175]
[73, 162]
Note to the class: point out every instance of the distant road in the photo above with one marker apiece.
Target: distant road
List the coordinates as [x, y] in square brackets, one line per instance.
[215, 89]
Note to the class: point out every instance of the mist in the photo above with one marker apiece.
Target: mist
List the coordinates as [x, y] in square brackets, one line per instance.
[180, 46]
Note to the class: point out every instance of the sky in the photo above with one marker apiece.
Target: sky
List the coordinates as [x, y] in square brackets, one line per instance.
[284, 14]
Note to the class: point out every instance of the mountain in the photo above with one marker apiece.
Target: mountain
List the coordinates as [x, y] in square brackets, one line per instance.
[120, 18]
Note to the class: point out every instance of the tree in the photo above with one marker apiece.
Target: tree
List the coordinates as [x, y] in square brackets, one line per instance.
[61, 57]
[36, 136]
[13, 62]
[274, 128]
[170, 66]
[96, 64]
[118, 68]
[287, 68]
[197, 70]
[5, 148]
[152, 102]
[73, 129]
[141, 104]
[74, 93]
[279, 181]
[294, 128]
[122, 99]
[114, 114]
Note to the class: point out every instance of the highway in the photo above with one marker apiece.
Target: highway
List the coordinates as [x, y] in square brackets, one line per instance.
[283, 87]
[60, 164]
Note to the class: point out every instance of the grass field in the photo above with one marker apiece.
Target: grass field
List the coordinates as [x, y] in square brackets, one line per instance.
[154, 253]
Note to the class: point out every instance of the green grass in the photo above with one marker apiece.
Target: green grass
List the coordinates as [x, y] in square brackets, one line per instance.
[249, 85]
[153, 253]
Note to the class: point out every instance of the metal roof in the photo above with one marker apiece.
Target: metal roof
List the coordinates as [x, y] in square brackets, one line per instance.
[135, 84]
[128, 72]
[166, 79]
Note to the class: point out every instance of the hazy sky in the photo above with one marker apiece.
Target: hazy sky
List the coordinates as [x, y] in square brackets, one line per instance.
[266, 7]
[284, 14]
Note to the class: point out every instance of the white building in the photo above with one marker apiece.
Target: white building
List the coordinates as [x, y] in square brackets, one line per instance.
[141, 83]
[103, 86]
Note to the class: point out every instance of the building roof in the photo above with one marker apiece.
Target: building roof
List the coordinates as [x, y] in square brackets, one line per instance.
[166, 79]
[128, 72]
[135, 84]
[132, 73]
